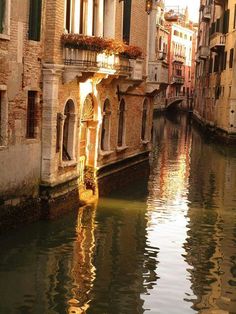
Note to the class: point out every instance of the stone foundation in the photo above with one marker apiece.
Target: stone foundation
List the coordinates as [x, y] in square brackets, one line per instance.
[214, 133]
[13, 215]
[122, 173]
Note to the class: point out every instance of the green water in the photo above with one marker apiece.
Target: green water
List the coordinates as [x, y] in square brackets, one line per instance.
[165, 245]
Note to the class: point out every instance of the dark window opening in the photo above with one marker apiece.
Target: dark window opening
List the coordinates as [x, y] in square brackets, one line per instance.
[35, 19]
[231, 57]
[105, 126]
[121, 123]
[126, 20]
[144, 121]
[2, 14]
[31, 115]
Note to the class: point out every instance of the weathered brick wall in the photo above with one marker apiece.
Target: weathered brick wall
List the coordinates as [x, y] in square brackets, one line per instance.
[20, 71]
[139, 23]
[54, 26]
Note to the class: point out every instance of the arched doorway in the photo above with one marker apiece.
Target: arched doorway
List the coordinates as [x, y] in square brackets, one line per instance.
[88, 143]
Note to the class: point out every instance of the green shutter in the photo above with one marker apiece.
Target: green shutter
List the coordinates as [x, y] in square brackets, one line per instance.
[226, 22]
[2, 14]
[126, 20]
[35, 19]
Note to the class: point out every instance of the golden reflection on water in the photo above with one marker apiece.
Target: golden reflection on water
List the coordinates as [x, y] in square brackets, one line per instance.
[168, 250]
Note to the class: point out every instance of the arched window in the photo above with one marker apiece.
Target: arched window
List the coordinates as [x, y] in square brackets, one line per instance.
[68, 131]
[121, 124]
[105, 132]
[88, 108]
[144, 121]
[160, 43]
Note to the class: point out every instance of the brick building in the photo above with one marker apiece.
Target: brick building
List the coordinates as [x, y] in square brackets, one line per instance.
[215, 105]
[75, 106]
[181, 56]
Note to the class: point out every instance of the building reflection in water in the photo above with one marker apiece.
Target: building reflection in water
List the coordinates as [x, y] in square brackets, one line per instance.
[210, 245]
[166, 212]
[173, 251]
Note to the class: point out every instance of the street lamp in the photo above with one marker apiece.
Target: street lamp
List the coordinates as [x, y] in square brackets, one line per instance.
[148, 6]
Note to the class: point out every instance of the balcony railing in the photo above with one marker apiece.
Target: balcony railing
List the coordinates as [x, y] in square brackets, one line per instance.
[203, 52]
[206, 14]
[78, 60]
[177, 79]
[217, 41]
[178, 58]
[92, 61]
[157, 72]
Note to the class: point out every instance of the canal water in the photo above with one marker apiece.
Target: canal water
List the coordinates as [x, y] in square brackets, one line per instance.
[164, 245]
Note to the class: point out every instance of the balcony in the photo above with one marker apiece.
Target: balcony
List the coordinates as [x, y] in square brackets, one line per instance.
[177, 79]
[157, 75]
[178, 58]
[78, 62]
[203, 52]
[157, 72]
[217, 41]
[206, 13]
[92, 61]
[85, 56]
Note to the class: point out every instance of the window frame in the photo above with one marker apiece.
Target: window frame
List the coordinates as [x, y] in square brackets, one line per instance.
[3, 116]
[31, 122]
[35, 20]
[5, 33]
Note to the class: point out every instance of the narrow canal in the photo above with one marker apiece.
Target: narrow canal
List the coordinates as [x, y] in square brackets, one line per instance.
[165, 245]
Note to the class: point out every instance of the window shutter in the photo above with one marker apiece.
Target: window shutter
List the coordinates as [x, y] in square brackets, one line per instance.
[126, 20]
[35, 19]
[226, 22]
[2, 14]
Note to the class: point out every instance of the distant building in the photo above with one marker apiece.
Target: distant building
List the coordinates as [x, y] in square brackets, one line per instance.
[181, 43]
[158, 68]
[215, 101]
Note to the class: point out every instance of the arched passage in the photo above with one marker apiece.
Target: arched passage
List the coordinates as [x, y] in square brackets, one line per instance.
[88, 140]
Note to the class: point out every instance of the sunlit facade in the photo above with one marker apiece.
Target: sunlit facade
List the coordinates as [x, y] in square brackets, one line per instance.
[215, 71]
[74, 94]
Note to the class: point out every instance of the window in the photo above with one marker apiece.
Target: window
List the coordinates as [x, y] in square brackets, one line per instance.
[231, 57]
[216, 63]
[4, 18]
[225, 60]
[31, 115]
[234, 16]
[126, 20]
[35, 19]
[82, 16]
[68, 132]
[3, 117]
[121, 124]
[144, 121]
[105, 132]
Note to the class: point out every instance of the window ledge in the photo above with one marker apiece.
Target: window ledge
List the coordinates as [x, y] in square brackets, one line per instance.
[4, 36]
[121, 148]
[68, 163]
[2, 147]
[145, 142]
[32, 140]
[105, 153]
